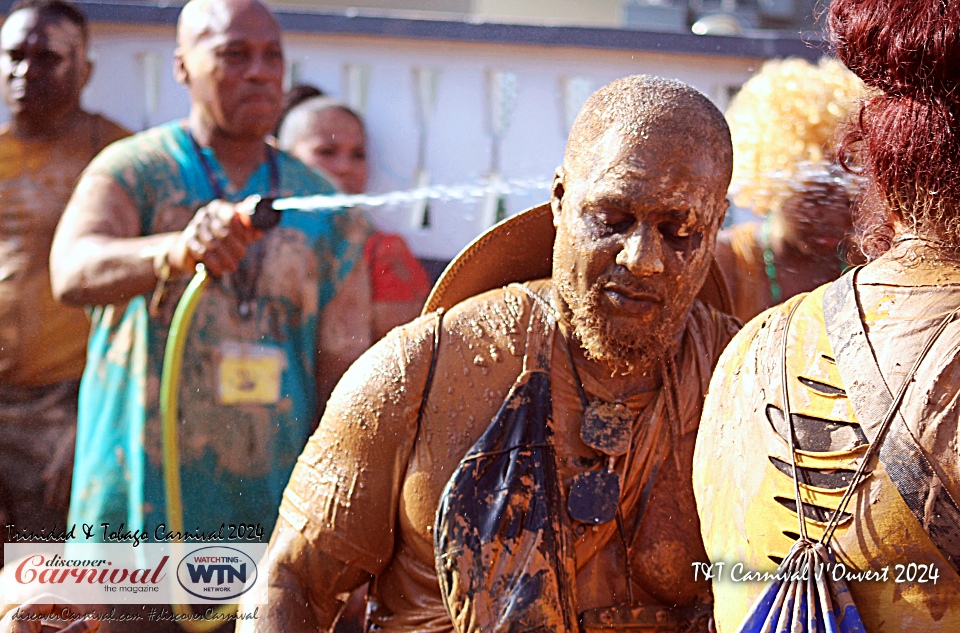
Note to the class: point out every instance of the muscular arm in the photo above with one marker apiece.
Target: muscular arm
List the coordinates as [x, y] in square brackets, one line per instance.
[99, 257]
[340, 509]
[304, 586]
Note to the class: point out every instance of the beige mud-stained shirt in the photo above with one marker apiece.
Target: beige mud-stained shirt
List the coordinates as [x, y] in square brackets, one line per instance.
[41, 341]
[742, 466]
[367, 487]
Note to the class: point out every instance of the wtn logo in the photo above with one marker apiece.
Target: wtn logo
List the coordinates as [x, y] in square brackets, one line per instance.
[225, 573]
[217, 573]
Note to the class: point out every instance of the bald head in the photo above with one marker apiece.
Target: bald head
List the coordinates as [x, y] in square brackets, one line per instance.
[637, 205]
[634, 109]
[230, 57]
[200, 18]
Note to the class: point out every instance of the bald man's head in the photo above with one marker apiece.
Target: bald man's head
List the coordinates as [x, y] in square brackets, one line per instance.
[199, 18]
[633, 108]
[637, 205]
[230, 57]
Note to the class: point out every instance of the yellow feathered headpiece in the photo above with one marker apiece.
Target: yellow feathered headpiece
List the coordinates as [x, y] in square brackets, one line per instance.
[784, 122]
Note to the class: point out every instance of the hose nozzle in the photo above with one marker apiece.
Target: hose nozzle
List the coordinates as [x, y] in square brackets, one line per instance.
[262, 216]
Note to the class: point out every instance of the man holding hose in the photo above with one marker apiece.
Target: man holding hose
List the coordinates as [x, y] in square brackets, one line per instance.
[144, 214]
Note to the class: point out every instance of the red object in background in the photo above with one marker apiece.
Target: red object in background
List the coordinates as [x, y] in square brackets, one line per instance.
[395, 273]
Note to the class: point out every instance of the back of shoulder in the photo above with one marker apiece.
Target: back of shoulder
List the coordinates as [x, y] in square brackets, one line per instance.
[493, 320]
[486, 329]
[136, 153]
[108, 131]
[392, 368]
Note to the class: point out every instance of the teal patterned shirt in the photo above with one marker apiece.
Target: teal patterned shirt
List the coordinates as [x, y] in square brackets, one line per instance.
[235, 458]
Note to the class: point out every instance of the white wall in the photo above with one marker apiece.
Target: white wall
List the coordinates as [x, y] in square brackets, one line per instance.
[458, 150]
[579, 12]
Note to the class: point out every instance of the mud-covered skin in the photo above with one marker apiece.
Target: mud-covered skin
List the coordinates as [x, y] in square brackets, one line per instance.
[366, 492]
[637, 212]
[41, 341]
[637, 205]
[370, 423]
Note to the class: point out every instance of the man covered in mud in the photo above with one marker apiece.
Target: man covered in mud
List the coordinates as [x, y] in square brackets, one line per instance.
[521, 461]
[146, 211]
[47, 143]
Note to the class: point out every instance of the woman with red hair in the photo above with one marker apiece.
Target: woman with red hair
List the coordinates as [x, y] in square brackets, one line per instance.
[831, 426]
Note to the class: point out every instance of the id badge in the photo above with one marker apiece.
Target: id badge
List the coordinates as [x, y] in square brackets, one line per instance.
[250, 374]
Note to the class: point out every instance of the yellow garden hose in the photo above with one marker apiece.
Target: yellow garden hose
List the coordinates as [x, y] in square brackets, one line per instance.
[260, 215]
[169, 414]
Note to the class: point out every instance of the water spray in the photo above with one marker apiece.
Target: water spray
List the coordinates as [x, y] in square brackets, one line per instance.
[440, 193]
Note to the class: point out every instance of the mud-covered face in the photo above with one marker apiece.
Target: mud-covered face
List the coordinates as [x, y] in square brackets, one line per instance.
[44, 66]
[636, 227]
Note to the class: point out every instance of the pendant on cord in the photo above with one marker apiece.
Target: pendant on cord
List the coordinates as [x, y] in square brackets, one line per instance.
[595, 494]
